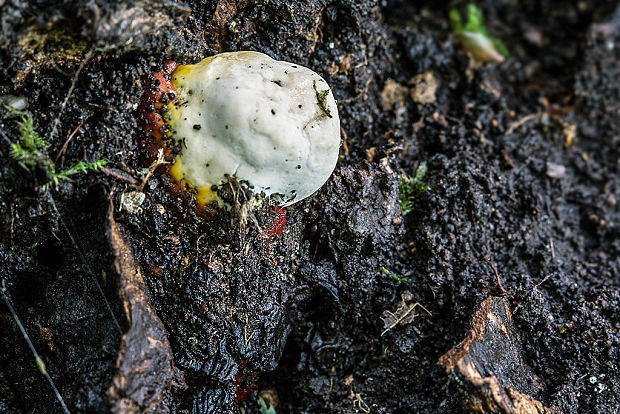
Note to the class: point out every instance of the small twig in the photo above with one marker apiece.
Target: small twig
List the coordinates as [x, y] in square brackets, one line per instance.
[360, 402]
[106, 107]
[552, 249]
[119, 175]
[159, 161]
[317, 22]
[359, 95]
[520, 122]
[37, 358]
[64, 146]
[245, 333]
[64, 102]
[12, 223]
[499, 281]
[544, 279]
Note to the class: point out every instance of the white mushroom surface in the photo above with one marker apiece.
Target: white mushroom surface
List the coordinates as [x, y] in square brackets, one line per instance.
[269, 123]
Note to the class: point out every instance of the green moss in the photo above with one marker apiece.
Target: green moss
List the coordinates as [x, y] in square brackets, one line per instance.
[53, 44]
[30, 151]
[409, 187]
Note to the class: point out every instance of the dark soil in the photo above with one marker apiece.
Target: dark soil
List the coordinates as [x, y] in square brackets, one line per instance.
[510, 188]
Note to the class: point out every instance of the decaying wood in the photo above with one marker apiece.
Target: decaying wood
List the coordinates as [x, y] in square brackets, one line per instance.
[488, 367]
[145, 364]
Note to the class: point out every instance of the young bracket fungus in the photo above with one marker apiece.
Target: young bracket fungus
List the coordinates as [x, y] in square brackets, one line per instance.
[270, 126]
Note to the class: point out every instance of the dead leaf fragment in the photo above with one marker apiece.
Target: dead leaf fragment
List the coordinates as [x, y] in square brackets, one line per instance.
[423, 88]
[393, 93]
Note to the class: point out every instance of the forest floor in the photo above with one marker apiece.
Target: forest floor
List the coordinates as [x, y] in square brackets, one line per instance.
[508, 244]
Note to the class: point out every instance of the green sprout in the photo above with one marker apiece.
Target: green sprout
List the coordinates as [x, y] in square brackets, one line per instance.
[386, 350]
[409, 187]
[79, 167]
[474, 37]
[394, 276]
[263, 407]
[31, 150]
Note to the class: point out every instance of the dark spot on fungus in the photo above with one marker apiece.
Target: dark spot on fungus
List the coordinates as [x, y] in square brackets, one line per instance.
[218, 78]
[293, 66]
[197, 126]
[273, 112]
[277, 82]
[298, 167]
[214, 187]
[299, 106]
[226, 126]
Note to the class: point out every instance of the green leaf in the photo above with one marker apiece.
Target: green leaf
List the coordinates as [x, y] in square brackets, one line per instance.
[455, 20]
[475, 24]
[475, 20]
[263, 407]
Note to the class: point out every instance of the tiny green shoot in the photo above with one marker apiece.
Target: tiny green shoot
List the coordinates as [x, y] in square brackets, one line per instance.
[263, 407]
[475, 37]
[394, 276]
[409, 187]
[79, 167]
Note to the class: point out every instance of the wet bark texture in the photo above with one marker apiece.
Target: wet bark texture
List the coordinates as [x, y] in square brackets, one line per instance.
[139, 302]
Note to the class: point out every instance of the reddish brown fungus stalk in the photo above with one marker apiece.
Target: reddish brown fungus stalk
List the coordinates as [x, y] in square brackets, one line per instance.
[158, 91]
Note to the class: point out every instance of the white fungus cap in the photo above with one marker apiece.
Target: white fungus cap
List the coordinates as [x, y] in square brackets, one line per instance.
[273, 124]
